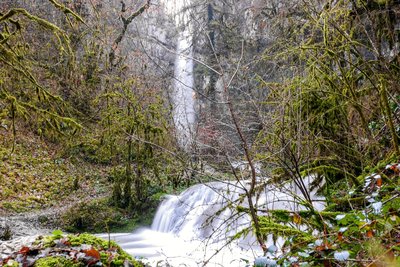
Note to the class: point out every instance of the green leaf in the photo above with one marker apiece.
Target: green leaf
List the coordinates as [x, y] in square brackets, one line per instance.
[57, 233]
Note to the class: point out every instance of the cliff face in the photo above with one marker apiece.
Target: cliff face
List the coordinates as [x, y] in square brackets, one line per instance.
[239, 44]
[232, 39]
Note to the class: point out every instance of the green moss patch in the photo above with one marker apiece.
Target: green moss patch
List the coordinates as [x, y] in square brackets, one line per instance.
[34, 176]
[59, 250]
[93, 216]
[58, 261]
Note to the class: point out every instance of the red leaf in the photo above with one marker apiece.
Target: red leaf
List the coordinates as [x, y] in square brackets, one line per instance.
[65, 241]
[92, 253]
[394, 168]
[327, 263]
[370, 233]
[6, 259]
[24, 250]
[340, 236]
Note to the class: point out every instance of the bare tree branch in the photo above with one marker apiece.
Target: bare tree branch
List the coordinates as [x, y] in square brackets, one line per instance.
[126, 22]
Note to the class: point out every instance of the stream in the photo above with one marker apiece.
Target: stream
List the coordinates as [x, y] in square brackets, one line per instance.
[197, 227]
[194, 228]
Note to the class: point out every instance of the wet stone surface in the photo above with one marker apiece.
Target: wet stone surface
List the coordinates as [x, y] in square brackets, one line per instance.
[21, 230]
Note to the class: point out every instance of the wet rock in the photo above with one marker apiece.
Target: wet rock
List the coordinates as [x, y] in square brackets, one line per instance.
[5, 233]
[10, 246]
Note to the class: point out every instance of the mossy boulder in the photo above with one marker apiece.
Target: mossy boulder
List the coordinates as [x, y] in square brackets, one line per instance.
[93, 216]
[60, 250]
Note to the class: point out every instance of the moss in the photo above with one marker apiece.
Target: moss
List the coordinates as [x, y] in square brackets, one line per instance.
[47, 241]
[12, 263]
[16, 206]
[242, 209]
[269, 227]
[110, 253]
[280, 215]
[88, 239]
[44, 178]
[101, 244]
[81, 217]
[345, 203]
[56, 262]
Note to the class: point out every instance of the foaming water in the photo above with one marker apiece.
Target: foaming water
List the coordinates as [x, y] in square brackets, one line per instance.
[197, 227]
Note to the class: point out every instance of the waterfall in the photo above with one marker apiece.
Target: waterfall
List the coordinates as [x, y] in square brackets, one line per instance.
[183, 94]
[198, 225]
[189, 228]
[192, 214]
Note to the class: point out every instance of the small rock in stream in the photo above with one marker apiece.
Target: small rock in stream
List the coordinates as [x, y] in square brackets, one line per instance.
[5, 232]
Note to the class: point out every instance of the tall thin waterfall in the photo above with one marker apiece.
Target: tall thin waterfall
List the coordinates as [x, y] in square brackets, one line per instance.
[183, 94]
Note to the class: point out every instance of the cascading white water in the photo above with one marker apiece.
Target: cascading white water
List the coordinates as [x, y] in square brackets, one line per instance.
[192, 214]
[183, 94]
[190, 228]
